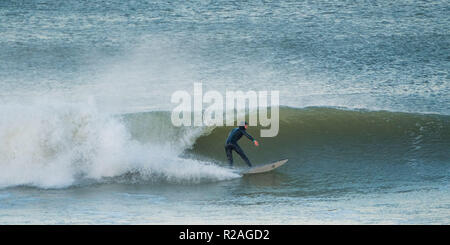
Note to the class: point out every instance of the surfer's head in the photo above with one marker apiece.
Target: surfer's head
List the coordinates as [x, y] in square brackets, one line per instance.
[243, 125]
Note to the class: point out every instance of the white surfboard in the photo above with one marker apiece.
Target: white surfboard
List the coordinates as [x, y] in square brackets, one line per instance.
[264, 168]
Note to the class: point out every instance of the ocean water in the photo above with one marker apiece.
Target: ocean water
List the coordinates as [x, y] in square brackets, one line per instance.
[86, 136]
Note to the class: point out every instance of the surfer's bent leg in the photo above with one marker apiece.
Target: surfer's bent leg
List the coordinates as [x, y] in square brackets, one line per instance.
[228, 150]
[242, 154]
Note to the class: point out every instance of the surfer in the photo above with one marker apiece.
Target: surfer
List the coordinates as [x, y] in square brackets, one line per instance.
[231, 143]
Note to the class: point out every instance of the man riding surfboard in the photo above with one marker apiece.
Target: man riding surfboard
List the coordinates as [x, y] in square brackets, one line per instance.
[231, 143]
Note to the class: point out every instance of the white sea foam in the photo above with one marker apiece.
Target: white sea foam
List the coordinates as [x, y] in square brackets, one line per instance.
[56, 145]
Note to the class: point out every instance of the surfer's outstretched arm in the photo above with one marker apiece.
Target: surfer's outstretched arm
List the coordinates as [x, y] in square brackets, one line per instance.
[250, 137]
[247, 135]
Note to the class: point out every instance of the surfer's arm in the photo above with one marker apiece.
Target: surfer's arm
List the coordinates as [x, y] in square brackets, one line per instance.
[250, 137]
[247, 135]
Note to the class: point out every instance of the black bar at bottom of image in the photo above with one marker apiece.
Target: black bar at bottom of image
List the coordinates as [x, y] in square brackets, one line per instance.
[219, 234]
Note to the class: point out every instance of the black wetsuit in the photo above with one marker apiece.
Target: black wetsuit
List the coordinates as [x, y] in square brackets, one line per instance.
[231, 144]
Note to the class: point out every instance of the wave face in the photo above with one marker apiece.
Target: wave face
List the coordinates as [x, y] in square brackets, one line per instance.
[320, 131]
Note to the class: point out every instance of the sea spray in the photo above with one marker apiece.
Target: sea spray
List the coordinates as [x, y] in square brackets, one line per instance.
[58, 145]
